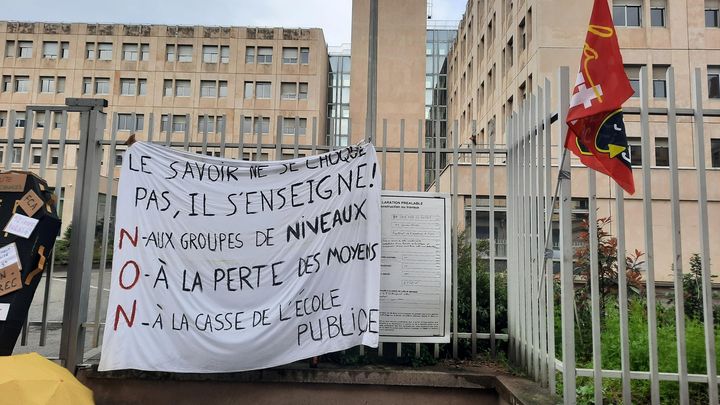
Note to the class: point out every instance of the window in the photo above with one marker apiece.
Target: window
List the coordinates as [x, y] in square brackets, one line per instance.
[263, 90]
[714, 81]
[184, 53]
[215, 53]
[264, 55]
[24, 49]
[712, 14]
[128, 87]
[247, 125]
[90, 50]
[262, 125]
[182, 88]
[214, 124]
[17, 154]
[127, 123]
[510, 52]
[144, 51]
[170, 53]
[210, 54]
[290, 55]
[248, 90]
[633, 74]
[657, 16]
[104, 51]
[167, 88]
[47, 84]
[102, 85]
[58, 120]
[50, 50]
[662, 157]
[3, 120]
[250, 54]
[208, 88]
[715, 152]
[303, 91]
[40, 119]
[87, 85]
[521, 35]
[19, 119]
[6, 83]
[9, 49]
[22, 84]
[179, 123]
[627, 15]
[54, 156]
[304, 56]
[222, 88]
[288, 91]
[142, 87]
[119, 157]
[289, 126]
[635, 151]
[130, 52]
[64, 50]
[36, 155]
[659, 83]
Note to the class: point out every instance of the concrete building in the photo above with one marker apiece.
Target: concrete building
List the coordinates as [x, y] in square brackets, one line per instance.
[166, 82]
[504, 49]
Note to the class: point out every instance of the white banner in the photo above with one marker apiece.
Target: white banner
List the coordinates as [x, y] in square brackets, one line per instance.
[224, 265]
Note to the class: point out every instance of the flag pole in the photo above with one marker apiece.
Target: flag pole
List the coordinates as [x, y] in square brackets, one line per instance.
[547, 253]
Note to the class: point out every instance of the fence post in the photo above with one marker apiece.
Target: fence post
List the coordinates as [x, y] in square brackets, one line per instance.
[92, 125]
[566, 264]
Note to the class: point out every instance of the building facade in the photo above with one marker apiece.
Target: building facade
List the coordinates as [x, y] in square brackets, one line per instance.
[179, 83]
[504, 49]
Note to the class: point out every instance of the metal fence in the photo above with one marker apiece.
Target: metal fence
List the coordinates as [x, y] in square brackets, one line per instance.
[84, 155]
[533, 299]
[57, 149]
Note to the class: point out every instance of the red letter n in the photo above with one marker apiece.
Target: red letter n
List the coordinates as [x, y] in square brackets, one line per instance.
[130, 320]
[124, 233]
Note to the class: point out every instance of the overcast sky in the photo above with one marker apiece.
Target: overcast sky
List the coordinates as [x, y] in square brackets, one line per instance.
[333, 16]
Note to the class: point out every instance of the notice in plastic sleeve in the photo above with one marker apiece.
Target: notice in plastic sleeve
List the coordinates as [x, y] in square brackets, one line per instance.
[415, 270]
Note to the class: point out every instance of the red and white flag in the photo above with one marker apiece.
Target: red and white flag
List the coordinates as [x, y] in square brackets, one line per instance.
[596, 132]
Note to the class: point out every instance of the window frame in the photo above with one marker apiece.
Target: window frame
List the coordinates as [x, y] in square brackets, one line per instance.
[46, 54]
[266, 58]
[626, 7]
[663, 19]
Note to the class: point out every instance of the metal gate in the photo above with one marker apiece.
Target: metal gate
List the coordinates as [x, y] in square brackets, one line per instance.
[535, 178]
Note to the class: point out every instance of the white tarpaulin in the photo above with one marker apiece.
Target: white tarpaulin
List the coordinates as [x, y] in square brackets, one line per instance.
[224, 265]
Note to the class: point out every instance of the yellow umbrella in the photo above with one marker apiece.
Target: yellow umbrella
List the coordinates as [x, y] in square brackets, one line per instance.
[33, 380]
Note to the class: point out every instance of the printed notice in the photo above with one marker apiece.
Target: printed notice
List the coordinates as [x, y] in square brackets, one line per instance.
[4, 309]
[21, 225]
[414, 281]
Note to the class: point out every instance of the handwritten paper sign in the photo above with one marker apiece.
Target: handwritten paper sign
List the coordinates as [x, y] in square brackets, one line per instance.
[10, 279]
[9, 255]
[30, 203]
[12, 182]
[21, 225]
[224, 265]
